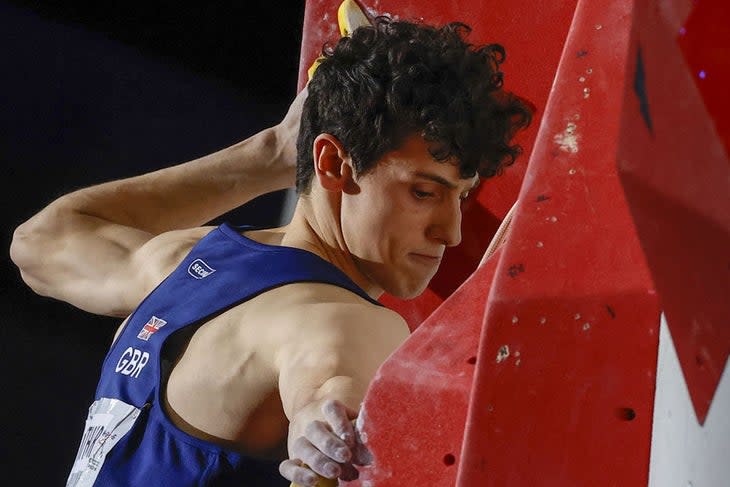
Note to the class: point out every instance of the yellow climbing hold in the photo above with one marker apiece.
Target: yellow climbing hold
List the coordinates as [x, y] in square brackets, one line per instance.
[322, 483]
[349, 17]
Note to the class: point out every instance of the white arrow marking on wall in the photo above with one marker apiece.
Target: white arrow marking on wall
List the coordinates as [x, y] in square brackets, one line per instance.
[683, 452]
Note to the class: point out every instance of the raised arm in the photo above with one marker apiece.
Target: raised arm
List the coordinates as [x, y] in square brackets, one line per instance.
[83, 247]
[323, 383]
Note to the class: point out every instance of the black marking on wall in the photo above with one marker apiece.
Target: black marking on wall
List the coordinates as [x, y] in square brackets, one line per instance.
[611, 312]
[640, 90]
[515, 270]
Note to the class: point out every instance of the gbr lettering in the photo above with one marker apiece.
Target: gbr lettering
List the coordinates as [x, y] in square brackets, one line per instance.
[132, 362]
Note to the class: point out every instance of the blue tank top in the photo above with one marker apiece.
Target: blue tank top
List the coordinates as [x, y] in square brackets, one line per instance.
[128, 439]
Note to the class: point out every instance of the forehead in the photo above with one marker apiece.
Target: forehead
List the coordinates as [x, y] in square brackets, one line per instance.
[412, 160]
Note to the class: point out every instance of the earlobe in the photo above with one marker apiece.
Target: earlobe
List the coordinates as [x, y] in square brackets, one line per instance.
[332, 164]
[348, 177]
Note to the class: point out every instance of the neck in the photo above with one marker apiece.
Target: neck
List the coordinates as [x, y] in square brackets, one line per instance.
[316, 227]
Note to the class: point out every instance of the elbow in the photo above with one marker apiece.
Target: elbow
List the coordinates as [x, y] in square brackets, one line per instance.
[31, 239]
[26, 253]
[21, 246]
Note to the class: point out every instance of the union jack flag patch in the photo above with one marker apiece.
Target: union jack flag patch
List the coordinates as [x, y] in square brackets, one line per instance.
[151, 327]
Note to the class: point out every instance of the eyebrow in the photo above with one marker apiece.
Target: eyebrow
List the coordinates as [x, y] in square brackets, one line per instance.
[443, 181]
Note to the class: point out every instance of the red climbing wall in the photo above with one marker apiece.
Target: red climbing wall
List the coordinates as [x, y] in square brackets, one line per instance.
[565, 391]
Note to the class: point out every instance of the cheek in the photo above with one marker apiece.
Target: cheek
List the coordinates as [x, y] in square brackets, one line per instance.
[360, 225]
[371, 226]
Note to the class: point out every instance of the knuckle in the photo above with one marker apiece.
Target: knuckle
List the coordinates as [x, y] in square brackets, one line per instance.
[313, 428]
[300, 444]
[330, 446]
[319, 461]
[330, 407]
[326, 467]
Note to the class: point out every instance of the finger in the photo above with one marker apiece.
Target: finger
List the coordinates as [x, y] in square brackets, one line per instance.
[340, 419]
[349, 472]
[322, 438]
[293, 470]
[315, 459]
[360, 453]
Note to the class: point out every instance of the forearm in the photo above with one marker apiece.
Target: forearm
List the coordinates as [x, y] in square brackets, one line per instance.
[188, 194]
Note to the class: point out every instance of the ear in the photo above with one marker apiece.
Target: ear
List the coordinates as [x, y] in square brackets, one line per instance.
[332, 164]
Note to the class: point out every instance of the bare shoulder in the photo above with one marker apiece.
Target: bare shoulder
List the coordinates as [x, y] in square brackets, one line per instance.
[336, 310]
[335, 324]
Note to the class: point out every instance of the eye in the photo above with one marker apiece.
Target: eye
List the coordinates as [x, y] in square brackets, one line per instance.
[422, 195]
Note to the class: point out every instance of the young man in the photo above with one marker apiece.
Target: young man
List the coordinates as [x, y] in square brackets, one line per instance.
[235, 339]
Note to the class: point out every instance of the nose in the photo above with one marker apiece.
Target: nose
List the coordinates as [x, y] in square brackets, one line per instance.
[446, 227]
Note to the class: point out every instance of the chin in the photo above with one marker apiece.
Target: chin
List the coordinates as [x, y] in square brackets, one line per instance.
[408, 292]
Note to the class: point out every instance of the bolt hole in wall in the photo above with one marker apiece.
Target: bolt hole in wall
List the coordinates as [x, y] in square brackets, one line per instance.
[471, 360]
[449, 459]
[626, 414]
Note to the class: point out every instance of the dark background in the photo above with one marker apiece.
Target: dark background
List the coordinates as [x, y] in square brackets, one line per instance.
[96, 91]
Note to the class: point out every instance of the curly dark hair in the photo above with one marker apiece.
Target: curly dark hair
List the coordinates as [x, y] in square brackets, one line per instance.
[396, 78]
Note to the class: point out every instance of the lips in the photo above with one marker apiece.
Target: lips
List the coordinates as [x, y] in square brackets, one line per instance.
[426, 258]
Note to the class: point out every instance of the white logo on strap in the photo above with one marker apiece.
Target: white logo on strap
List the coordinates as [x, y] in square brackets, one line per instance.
[199, 269]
